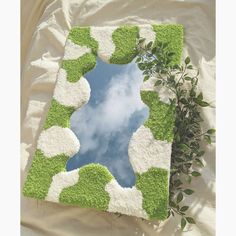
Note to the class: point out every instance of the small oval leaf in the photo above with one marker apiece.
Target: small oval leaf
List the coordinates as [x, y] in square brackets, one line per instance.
[183, 223]
[149, 44]
[211, 131]
[187, 78]
[184, 208]
[202, 103]
[141, 40]
[188, 191]
[195, 174]
[187, 60]
[158, 82]
[179, 197]
[190, 220]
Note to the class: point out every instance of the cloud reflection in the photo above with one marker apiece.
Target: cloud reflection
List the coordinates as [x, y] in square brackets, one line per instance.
[105, 125]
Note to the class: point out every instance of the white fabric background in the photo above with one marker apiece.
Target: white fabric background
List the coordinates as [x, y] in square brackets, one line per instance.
[44, 27]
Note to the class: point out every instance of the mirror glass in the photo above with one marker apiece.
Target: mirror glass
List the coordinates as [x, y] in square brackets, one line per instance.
[106, 123]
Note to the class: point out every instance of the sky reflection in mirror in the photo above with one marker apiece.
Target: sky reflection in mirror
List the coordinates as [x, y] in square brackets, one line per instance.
[106, 123]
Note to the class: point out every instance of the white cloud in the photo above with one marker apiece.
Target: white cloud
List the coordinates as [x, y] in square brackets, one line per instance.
[121, 100]
[96, 126]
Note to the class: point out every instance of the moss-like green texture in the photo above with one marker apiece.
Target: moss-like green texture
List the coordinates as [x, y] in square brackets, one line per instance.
[124, 39]
[58, 115]
[41, 172]
[90, 189]
[173, 35]
[78, 67]
[154, 186]
[81, 36]
[161, 116]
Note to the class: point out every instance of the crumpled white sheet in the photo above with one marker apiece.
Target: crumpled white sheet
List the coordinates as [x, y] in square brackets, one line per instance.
[41, 56]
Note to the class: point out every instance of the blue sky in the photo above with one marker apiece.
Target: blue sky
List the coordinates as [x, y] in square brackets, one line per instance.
[105, 125]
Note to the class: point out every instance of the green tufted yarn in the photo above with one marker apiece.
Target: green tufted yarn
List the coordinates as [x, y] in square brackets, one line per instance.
[58, 115]
[41, 172]
[90, 189]
[82, 37]
[154, 186]
[78, 67]
[161, 116]
[172, 34]
[124, 39]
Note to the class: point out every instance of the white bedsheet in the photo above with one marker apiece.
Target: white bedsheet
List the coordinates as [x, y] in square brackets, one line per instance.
[49, 23]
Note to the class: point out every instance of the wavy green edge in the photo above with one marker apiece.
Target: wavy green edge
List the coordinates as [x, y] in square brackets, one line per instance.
[173, 35]
[90, 189]
[154, 186]
[41, 172]
[76, 68]
[161, 116]
[124, 39]
[81, 36]
[58, 115]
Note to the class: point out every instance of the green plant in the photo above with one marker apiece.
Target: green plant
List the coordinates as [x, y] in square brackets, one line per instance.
[186, 159]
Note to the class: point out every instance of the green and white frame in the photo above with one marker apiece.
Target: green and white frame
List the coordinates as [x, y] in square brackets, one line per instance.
[92, 185]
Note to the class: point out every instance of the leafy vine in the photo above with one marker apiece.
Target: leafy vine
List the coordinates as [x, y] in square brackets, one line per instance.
[182, 81]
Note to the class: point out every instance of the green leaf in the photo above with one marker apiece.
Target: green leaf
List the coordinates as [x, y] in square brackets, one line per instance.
[192, 93]
[188, 165]
[184, 208]
[171, 78]
[188, 191]
[149, 44]
[187, 60]
[187, 78]
[146, 78]
[168, 215]
[141, 66]
[184, 101]
[179, 197]
[183, 223]
[172, 204]
[200, 96]
[177, 137]
[158, 82]
[177, 183]
[211, 131]
[195, 174]
[138, 59]
[201, 153]
[199, 162]
[172, 101]
[189, 179]
[141, 40]
[177, 207]
[190, 220]
[176, 67]
[184, 147]
[207, 138]
[178, 159]
[202, 103]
